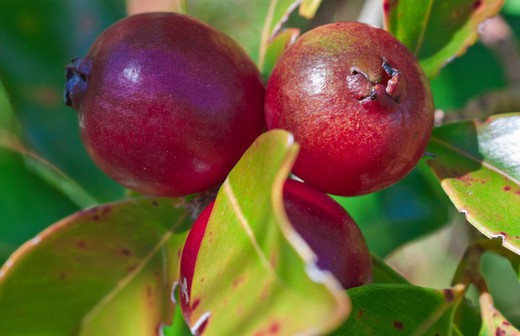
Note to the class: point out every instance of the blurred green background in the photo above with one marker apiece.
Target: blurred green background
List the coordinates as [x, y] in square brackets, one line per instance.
[45, 173]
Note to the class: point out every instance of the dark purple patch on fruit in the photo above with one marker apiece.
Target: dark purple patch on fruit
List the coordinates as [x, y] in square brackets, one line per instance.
[330, 232]
[167, 105]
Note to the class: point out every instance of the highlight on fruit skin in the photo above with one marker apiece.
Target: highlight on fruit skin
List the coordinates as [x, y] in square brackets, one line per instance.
[167, 105]
[358, 103]
[323, 223]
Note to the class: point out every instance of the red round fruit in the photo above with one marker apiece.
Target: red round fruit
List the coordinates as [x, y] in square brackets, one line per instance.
[358, 103]
[326, 227]
[167, 105]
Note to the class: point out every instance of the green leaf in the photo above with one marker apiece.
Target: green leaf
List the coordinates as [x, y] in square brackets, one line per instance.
[478, 166]
[436, 31]
[28, 204]
[277, 286]
[106, 270]
[493, 322]
[391, 309]
[8, 122]
[38, 40]
[276, 48]
[403, 212]
[253, 24]
[503, 284]
[382, 273]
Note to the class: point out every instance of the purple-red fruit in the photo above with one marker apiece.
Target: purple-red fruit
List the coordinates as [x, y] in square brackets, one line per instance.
[167, 105]
[358, 103]
[326, 227]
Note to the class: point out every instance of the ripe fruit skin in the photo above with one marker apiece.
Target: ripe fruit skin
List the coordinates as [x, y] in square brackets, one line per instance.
[326, 227]
[358, 103]
[167, 105]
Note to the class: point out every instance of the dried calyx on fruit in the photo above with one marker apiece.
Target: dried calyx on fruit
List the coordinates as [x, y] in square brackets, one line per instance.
[324, 225]
[358, 103]
[167, 105]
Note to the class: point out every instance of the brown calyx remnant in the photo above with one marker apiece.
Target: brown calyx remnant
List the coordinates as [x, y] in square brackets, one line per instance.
[391, 84]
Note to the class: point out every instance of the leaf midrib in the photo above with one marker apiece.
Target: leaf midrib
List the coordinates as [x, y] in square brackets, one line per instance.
[420, 39]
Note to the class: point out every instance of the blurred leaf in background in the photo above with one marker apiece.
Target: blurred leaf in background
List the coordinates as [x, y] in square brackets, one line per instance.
[37, 39]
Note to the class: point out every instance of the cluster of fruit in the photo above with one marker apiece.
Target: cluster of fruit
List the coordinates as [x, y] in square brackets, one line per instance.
[167, 106]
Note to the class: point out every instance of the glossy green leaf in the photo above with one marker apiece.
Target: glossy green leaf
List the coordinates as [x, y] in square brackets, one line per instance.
[493, 322]
[392, 309]
[503, 284]
[479, 168]
[38, 40]
[104, 271]
[403, 212]
[436, 31]
[276, 48]
[276, 287]
[254, 24]
[467, 318]
[28, 204]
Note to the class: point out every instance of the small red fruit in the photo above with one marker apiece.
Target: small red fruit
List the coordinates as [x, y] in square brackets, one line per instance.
[326, 227]
[167, 105]
[358, 103]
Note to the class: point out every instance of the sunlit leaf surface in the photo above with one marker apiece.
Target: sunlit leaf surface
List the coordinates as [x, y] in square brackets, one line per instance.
[478, 164]
[254, 275]
[436, 31]
[108, 270]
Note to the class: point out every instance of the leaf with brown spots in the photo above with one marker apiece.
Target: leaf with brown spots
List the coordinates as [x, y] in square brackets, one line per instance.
[254, 275]
[478, 165]
[106, 270]
[401, 309]
[493, 322]
[436, 31]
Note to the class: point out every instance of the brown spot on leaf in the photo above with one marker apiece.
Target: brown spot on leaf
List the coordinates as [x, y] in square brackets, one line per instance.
[238, 281]
[468, 180]
[507, 188]
[273, 260]
[505, 235]
[155, 203]
[500, 332]
[398, 325]
[63, 276]
[274, 328]
[132, 268]
[506, 323]
[81, 244]
[360, 313]
[46, 96]
[126, 252]
[477, 4]
[264, 295]
[95, 217]
[448, 295]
